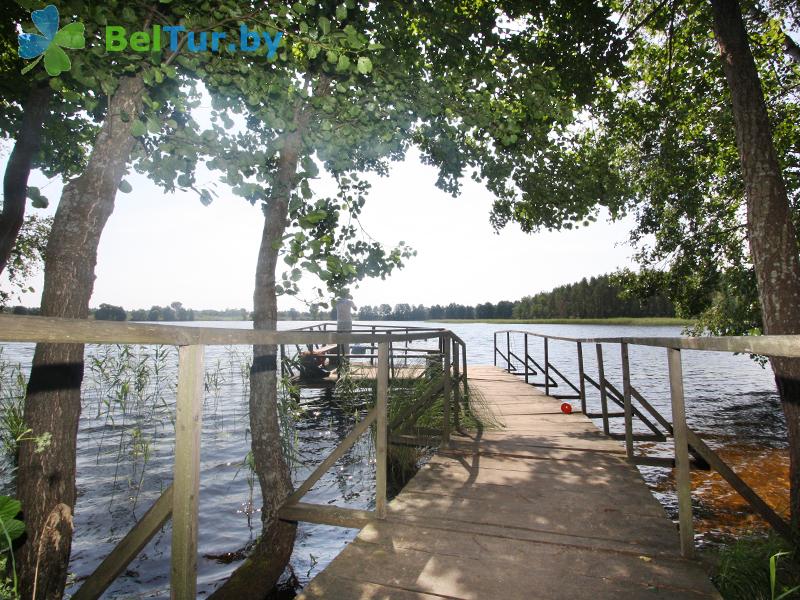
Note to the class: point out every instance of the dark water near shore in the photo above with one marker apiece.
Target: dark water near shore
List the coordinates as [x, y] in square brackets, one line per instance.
[125, 457]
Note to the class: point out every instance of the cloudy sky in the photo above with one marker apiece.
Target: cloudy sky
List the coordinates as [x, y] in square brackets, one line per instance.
[159, 248]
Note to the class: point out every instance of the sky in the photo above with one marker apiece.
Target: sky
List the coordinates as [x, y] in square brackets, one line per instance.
[158, 248]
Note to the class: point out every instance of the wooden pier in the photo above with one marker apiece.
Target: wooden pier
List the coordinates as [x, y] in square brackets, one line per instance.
[546, 506]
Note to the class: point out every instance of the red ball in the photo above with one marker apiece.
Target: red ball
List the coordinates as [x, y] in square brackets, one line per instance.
[566, 408]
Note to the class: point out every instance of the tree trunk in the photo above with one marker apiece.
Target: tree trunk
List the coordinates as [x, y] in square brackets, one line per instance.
[15, 181]
[773, 243]
[269, 558]
[46, 479]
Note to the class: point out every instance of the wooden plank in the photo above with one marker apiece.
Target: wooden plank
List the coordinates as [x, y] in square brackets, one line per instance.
[17, 328]
[601, 375]
[683, 476]
[447, 392]
[546, 367]
[581, 380]
[127, 549]
[457, 389]
[326, 515]
[381, 444]
[331, 459]
[626, 390]
[186, 480]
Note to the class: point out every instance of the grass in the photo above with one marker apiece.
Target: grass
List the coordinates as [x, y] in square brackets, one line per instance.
[743, 569]
[643, 321]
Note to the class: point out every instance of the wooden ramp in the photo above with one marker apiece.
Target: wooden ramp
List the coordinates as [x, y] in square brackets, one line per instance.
[544, 507]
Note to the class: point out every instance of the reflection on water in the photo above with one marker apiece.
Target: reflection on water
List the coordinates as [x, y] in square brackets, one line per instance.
[125, 457]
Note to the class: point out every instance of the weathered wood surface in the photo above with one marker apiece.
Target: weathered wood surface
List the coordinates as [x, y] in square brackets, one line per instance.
[545, 507]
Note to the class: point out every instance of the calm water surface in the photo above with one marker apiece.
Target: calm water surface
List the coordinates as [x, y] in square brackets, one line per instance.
[125, 456]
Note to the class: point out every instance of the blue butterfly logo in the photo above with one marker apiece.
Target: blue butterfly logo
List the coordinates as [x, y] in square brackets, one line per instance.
[49, 45]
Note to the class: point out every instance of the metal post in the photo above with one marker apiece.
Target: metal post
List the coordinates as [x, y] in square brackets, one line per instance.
[447, 393]
[546, 367]
[582, 383]
[381, 445]
[186, 478]
[601, 375]
[526, 359]
[495, 349]
[626, 394]
[683, 477]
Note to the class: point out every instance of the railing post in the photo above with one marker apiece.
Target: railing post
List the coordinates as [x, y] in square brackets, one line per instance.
[447, 393]
[601, 375]
[381, 444]
[582, 383]
[186, 479]
[464, 364]
[457, 388]
[526, 359]
[495, 349]
[683, 476]
[546, 367]
[508, 350]
[372, 348]
[626, 394]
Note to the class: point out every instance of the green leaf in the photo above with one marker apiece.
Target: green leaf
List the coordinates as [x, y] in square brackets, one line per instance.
[138, 128]
[364, 65]
[125, 187]
[56, 61]
[324, 25]
[343, 63]
[14, 529]
[341, 12]
[9, 508]
[36, 197]
[71, 36]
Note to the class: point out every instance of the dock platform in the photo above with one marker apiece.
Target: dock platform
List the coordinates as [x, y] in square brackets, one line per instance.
[544, 507]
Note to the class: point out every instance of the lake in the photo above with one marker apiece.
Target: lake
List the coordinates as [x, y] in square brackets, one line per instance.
[125, 446]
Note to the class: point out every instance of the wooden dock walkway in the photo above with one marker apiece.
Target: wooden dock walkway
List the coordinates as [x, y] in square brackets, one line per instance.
[545, 507]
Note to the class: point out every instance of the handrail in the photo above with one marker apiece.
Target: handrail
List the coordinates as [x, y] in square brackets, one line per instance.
[686, 441]
[15, 328]
[766, 345]
[180, 500]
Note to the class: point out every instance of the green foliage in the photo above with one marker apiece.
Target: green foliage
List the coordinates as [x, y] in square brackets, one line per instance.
[109, 312]
[598, 297]
[659, 144]
[26, 257]
[757, 568]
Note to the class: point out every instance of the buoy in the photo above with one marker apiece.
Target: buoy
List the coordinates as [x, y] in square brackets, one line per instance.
[566, 408]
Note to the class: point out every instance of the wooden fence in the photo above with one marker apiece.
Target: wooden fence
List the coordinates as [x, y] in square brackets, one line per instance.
[180, 500]
[685, 441]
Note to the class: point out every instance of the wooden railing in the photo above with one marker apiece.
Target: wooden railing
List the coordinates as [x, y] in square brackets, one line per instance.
[180, 500]
[685, 441]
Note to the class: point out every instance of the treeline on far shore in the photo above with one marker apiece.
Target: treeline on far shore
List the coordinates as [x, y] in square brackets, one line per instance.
[594, 298]
[173, 312]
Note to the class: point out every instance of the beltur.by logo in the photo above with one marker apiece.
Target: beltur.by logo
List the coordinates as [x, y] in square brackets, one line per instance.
[117, 40]
[50, 44]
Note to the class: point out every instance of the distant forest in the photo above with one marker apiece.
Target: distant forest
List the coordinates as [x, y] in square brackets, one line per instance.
[595, 298]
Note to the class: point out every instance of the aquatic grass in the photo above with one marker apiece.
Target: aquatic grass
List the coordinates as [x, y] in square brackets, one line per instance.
[758, 568]
[134, 390]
